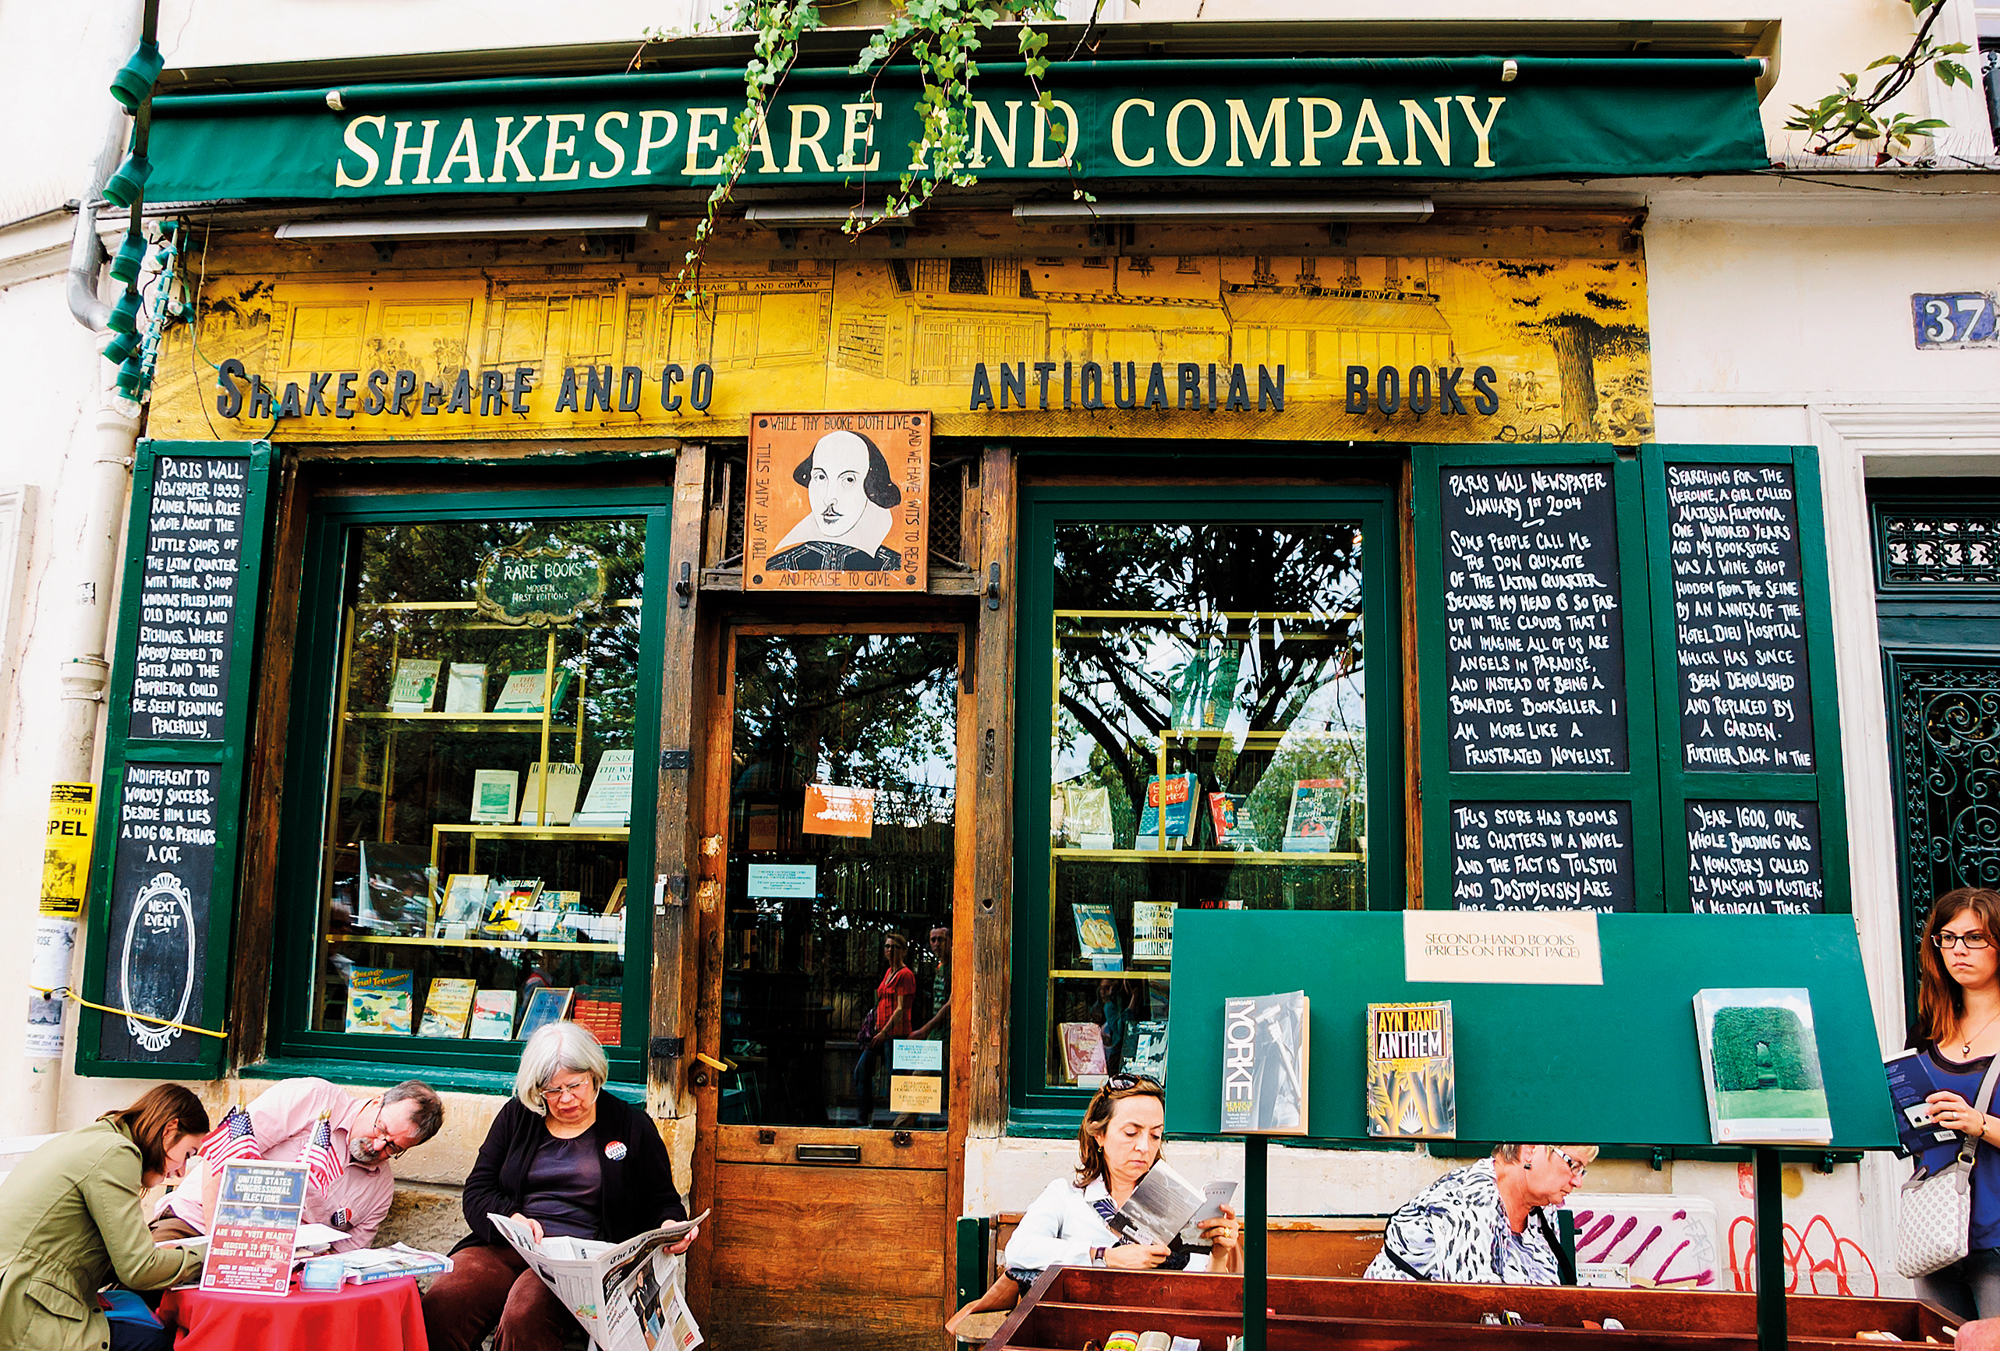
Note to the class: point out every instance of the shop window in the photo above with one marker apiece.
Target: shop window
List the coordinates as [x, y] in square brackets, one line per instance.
[475, 716]
[1219, 682]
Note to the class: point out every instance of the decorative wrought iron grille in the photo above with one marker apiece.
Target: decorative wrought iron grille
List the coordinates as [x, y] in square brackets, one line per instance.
[1948, 738]
[1932, 546]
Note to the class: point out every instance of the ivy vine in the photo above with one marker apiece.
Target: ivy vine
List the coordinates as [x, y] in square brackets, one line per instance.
[1847, 117]
[942, 39]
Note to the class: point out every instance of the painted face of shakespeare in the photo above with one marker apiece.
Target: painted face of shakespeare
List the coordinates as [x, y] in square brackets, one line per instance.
[839, 469]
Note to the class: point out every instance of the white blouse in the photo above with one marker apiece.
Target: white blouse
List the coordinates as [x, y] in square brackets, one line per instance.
[1061, 1228]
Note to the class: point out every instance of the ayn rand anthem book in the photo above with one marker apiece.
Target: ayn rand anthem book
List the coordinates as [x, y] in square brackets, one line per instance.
[1412, 1091]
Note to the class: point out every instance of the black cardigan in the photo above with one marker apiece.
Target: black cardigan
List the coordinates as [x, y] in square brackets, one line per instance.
[638, 1192]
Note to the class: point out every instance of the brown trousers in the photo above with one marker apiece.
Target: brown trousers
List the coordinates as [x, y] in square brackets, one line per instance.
[491, 1287]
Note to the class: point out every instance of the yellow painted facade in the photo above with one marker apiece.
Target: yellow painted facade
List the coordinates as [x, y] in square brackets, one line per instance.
[1557, 348]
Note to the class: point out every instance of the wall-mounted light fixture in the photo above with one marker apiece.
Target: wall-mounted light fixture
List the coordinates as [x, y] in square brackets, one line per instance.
[469, 227]
[800, 215]
[135, 78]
[1218, 211]
[129, 183]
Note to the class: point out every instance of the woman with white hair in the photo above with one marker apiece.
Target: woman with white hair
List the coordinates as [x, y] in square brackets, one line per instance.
[564, 1158]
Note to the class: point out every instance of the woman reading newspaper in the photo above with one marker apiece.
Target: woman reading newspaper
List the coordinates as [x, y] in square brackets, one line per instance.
[1075, 1221]
[564, 1158]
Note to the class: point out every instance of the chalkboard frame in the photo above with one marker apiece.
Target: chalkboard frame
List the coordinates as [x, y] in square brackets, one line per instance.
[227, 756]
[1439, 784]
[1822, 787]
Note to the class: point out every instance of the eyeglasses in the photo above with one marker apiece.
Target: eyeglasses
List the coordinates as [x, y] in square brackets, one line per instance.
[1576, 1167]
[1976, 941]
[1118, 1083]
[383, 1140]
[578, 1090]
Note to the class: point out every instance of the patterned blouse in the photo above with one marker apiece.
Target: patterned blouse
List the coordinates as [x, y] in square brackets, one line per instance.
[1457, 1230]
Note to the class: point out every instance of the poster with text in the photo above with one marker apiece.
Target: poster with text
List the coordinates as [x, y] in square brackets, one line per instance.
[256, 1226]
[837, 502]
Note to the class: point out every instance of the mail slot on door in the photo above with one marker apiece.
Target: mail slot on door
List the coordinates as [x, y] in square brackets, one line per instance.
[828, 1153]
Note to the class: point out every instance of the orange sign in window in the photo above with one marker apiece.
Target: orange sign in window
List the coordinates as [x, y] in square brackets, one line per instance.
[832, 810]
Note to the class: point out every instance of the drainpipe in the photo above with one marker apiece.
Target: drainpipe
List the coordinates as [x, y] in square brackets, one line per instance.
[114, 438]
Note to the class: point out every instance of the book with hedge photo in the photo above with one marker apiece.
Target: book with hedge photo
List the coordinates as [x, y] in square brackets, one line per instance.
[1760, 1067]
[1412, 1087]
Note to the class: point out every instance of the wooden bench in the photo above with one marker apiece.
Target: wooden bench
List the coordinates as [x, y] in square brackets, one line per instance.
[1299, 1245]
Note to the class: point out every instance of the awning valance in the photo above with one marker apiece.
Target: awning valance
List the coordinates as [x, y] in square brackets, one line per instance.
[1299, 121]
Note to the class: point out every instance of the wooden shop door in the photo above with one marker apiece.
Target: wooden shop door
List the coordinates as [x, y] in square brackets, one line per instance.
[834, 784]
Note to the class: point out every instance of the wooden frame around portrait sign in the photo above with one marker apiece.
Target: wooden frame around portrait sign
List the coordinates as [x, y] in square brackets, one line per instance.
[837, 502]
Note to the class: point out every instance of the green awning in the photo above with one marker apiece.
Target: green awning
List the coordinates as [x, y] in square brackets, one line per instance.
[1300, 121]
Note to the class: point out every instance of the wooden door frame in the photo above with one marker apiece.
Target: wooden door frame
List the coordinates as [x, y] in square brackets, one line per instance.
[715, 768]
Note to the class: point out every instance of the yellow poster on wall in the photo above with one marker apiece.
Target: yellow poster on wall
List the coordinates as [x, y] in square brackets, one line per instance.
[1435, 346]
[66, 853]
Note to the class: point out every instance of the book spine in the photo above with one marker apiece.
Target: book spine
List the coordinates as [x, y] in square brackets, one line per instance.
[371, 1277]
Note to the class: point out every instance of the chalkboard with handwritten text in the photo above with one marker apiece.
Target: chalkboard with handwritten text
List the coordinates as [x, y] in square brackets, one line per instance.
[188, 598]
[1739, 618]
[1534, 641]
[1542, 856]
[1754, 858]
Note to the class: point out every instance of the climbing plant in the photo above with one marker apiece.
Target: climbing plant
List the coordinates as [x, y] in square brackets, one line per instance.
[941, 39]
[1848, 116]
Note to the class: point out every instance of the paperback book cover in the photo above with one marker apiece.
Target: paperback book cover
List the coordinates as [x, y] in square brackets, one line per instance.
[522, 692]
[1165, 1206]
[465, 687]
[1080, 817]
[464, 900]
[1149, 1051]
[608, 804]
[1083, 1050]
[1265, 1046]
[1152, 931]
[1179, 815]
[494, 796]
[565, 780]
[415, 686]
[493, 1015]
[1225, 813]
[448, 1007]
[546, 1005]
[1760, 1067]
[1205, 689]
[378, 1000]
[1412, 1086]
[396, 889]
[1910, 1082]
[506, 901]
[1097, 938]
[1312, 825]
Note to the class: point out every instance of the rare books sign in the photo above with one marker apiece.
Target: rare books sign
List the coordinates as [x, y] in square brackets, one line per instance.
[837, 501]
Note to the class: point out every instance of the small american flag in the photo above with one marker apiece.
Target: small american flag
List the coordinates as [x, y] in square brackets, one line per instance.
[323, 1166]
[235, 1138]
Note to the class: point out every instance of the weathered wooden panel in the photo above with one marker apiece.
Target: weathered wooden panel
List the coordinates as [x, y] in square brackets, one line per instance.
[743, 1144]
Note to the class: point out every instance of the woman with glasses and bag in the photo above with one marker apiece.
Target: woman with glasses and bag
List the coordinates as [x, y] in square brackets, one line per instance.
[1957, 1034]
[1069, 1223]
[1486, 1223]
[563, 1158]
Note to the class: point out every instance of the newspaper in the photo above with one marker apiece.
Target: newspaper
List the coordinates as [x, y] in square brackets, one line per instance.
[627, 1295]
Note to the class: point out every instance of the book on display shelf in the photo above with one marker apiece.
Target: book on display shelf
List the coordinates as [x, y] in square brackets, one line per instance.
[448, 1007]
[1313, 822]
[493, 1015]
[1083, 1052]
[1225, 814]
[378, 1000]
[507, 900]
[464, 899]
[1412, 1087]
[1266, 1044]
[1178, 790]
[616, 902]
[1149, 1051]
[522, 691]
[1080, 817]
[599, 1012]
[1152, 931]
[1097, 938]
[414, 689]
[1760, 1067]
[564, 780]
[548, 1004]
[395, 893]
[465, 687]
[495, 796]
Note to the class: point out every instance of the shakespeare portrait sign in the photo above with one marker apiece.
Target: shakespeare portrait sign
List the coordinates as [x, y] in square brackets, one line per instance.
[837, 501]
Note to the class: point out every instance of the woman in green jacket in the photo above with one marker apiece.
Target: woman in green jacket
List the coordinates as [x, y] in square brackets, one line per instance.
[70, 1220]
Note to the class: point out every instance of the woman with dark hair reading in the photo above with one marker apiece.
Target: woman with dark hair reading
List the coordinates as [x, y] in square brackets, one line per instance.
[1069, 1223]
[1958, 1031]
[70, 1221]
[848, 482]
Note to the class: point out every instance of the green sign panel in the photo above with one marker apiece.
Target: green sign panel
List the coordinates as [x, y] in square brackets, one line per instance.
[551, 584]
[1304, 121]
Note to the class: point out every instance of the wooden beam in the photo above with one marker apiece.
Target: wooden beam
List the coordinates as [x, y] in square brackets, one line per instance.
[1413, 780]
[980, 1006]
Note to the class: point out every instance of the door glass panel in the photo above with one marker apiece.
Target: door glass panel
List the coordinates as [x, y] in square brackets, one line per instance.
[842, 808]
[1209, 749]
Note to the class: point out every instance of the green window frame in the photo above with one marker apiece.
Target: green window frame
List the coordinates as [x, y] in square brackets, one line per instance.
[481, 1066]
[1034, 1108]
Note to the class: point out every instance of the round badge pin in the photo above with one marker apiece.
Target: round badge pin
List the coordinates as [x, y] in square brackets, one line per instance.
[615, 1150]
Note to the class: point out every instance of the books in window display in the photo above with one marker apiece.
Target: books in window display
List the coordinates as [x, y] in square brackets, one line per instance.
[523, 690]
[378, 1001]
[1080, 817]
[1097, 938]
[1149, 1051]
[507, 901]
[1265, 1056]
[494, 796]
[414, 688]
[1232, 828]
[395, 892]
[564, 780]
[1412, 1090]
[1178, 792]
[1760, 1067]
[493, 1015]
[465, 687]
[598, 1010]
[1313, 822]
[608, 804]
[1083, 1052]
[1152, 931]
[548, 1004]
[463, 905]
[448, 1007]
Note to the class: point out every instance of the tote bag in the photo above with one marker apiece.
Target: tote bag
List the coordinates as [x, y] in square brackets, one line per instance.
[1936, 1228]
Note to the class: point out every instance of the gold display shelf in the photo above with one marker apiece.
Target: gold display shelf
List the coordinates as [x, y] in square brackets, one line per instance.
[438, 715]
[1162, 973]
[475, 832]
[1261, 857]
[473, 943]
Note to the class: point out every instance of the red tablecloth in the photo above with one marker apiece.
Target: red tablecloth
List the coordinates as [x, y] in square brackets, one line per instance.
[385, 1316]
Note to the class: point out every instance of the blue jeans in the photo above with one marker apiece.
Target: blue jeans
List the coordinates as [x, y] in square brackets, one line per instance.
[1969, 1287]
[864, 1082]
